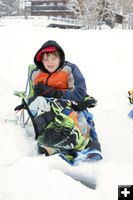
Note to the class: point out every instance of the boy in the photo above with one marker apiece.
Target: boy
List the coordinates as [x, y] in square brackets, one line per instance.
[68, 127]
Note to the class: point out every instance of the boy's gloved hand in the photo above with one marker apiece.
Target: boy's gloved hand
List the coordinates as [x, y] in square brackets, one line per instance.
[43, 90]
[89, 102]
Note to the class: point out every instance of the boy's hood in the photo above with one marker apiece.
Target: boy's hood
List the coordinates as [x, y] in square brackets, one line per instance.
[45, 45]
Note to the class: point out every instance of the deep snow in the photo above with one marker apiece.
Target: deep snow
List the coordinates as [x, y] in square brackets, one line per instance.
[105, 59]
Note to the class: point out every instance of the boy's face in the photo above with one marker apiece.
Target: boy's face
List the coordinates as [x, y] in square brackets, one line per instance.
[51, 61]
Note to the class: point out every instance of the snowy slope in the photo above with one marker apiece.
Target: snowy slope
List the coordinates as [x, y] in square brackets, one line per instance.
[105, 59]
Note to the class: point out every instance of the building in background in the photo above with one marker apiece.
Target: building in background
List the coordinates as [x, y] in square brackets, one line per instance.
[55, 8]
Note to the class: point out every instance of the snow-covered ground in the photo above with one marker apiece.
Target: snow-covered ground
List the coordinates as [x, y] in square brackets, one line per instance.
[105, 59]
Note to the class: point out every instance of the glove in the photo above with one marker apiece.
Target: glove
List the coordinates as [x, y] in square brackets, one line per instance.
[43, 90]
[89, 102]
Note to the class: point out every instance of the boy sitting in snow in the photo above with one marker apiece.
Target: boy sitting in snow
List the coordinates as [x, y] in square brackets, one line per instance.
[64, 124]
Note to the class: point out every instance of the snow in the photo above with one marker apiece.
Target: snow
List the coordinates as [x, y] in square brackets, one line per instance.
[105, 59]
